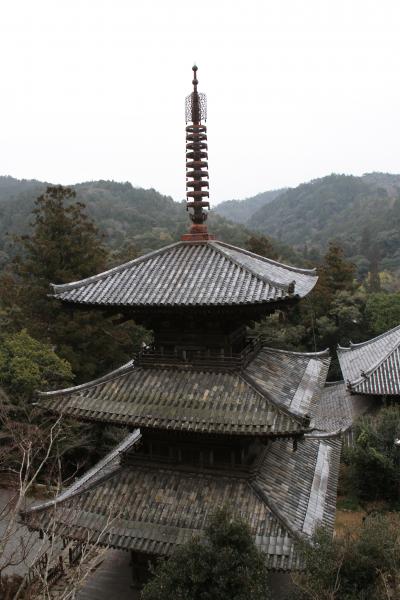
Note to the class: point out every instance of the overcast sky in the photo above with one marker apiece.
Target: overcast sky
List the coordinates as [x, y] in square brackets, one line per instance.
[93, 89]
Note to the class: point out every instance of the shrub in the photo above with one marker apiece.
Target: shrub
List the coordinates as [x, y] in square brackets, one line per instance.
[223, 565]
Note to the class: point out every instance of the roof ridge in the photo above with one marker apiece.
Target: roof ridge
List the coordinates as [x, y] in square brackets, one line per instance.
[320, 353]
[283, 286]
[326, 435]
[282, 409]
[268, 260]
[256, 487]
[76, 487]
[371, 341]
[333, 383]
[59, 288]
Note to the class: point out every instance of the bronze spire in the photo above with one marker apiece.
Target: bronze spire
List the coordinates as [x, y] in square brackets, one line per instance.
[196, 164]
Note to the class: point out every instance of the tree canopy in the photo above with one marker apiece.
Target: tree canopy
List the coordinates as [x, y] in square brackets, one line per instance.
[224, 565]
[365, 566]
[64, 245]
[27, 365]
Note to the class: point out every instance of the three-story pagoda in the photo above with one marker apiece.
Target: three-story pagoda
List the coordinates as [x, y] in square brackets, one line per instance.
[217, 418]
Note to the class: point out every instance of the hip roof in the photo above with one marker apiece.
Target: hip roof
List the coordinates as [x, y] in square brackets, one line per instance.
[277, 393]
[152, 509]
[373, 367]
[207, 273]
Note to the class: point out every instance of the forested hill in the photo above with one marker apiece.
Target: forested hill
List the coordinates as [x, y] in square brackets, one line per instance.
[240, 211]
[123, 213]
[362, 213]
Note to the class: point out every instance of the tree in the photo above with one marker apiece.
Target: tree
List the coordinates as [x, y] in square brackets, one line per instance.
[374, 280]
[64, 246]
[361, 567]
[336, 274]
[27, 365]
[30, 563]
[374, 461]
[383, 312]
[260, 244]
[224, 565]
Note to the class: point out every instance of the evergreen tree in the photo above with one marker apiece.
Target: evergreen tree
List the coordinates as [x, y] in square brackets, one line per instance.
[64, 246]
[260, 244]
[337, 273]
[374, 461]
[225, 565]
[383, 312]
[365, 566]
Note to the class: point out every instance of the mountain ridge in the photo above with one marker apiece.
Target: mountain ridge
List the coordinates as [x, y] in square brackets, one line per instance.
[345, 208]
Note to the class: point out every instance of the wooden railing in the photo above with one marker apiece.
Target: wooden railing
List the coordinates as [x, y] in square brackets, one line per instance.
[200, 359]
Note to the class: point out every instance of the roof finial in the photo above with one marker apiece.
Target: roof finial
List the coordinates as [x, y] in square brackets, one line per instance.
[195, 82]
[196, 161]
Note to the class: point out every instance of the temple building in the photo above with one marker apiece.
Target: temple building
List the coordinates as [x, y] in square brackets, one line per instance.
[216, 417]
[372, 368]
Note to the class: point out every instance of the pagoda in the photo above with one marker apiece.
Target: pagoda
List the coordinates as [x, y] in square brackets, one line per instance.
[216, 417]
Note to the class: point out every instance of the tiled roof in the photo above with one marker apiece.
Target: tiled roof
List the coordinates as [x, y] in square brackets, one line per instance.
[273, 395]
[191, 274]
[293, 379]
[302, 484]
[152, 509]
[373, 367]
[338, 408]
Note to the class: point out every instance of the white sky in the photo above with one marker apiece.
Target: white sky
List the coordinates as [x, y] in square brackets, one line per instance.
[95, 89]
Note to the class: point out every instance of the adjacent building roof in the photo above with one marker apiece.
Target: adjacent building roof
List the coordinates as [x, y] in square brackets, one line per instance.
[339, 408]
[154, 508]
[209, 273]
[277, 393]
[373, 367]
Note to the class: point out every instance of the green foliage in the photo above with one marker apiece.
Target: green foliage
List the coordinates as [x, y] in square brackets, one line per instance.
[64, 245]
[374, 461]
[281, 330]
[225, 565]
[123, 214]
[333, 313]
[27, 365]
[260, 244]
[336, 274]
[345, 208]
[240, 211]
[383, 311]
[366, 567]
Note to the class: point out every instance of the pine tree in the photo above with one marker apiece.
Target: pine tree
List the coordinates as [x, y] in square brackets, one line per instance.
[260, 244]
[64, 246]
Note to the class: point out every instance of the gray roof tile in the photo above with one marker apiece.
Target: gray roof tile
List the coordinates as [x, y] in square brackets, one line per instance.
[339, 408]
[152, 509]
[271, 396]
[373, 367]
[191, 274]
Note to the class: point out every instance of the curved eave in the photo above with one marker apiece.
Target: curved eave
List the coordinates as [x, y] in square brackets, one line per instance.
[354, 346]
[187, 274]
[187, 305]
[193, 428]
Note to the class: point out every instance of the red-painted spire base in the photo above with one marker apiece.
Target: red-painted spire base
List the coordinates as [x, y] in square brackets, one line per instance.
[197, 233]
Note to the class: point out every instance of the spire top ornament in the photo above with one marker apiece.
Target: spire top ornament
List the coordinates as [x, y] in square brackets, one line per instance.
[196, 164]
